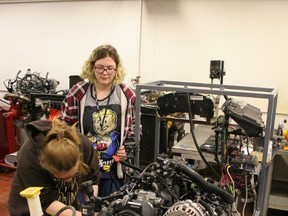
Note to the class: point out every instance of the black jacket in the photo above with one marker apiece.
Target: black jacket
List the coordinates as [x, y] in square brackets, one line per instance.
[29, 173]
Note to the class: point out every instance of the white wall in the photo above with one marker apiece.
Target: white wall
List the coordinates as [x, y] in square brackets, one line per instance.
[57, 37]
[178, 39]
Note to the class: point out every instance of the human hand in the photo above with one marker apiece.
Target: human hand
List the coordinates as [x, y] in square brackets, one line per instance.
[122, 153]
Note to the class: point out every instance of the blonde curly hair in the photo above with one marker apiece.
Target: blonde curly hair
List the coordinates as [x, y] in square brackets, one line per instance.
[99, 53]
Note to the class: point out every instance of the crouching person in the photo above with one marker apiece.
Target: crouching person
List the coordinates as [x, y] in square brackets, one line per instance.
[57, 158]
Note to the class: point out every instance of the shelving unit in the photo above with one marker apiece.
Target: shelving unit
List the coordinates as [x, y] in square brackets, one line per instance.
[269, 94]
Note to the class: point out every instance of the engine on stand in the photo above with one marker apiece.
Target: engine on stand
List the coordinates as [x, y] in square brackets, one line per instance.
[165, 187]
[21, 88]
[20, 101]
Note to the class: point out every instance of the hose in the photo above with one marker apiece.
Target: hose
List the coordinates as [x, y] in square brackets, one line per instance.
[198, 179]
[64, 208]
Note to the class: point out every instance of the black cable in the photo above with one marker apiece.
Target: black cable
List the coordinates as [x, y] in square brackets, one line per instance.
[199, 180]
[224, 136]
[248, 152]
[131, 166]
[207, 207]
[66, 207]
[227, 211]
[163, 182]
[194, 137]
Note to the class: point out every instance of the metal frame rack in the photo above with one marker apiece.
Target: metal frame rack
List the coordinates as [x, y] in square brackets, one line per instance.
[271, 95]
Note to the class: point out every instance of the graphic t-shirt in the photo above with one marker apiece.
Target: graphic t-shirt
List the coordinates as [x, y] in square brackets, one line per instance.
[67, 191]
[102, 125]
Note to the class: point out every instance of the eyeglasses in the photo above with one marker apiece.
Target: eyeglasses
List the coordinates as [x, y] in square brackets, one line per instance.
[67, 178]
[109, 70]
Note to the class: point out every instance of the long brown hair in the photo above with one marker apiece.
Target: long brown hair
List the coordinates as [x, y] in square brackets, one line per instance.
[61, 152]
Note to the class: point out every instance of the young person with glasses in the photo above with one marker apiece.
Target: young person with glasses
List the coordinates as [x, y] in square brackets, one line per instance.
[58, 158]
[105, 108]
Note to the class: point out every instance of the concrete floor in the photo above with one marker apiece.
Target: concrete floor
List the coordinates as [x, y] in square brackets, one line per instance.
[6, 177]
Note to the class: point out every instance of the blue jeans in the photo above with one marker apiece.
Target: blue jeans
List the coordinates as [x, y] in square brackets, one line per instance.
[109, 182]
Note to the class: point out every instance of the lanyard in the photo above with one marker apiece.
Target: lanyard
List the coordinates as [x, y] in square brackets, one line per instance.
[98, 107]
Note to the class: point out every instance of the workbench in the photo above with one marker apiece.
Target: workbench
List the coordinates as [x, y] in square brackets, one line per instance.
[186, 147]
[277, 181]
